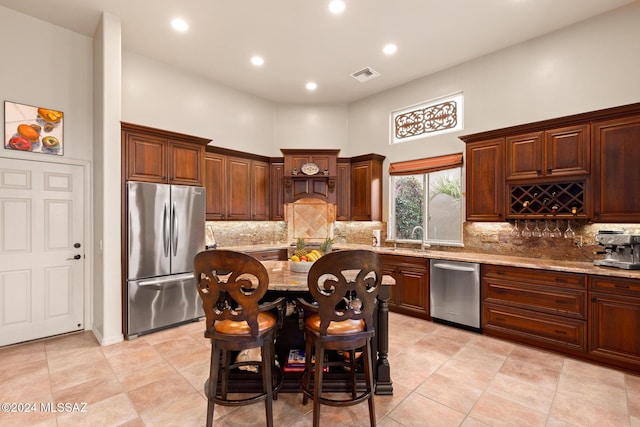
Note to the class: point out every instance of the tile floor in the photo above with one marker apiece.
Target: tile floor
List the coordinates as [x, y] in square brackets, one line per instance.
[442, 377]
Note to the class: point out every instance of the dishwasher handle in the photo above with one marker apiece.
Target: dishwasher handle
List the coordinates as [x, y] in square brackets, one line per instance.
[454, 267]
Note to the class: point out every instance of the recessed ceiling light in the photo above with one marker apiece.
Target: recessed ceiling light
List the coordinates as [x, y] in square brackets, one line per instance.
[390, 49]
[257, 61]
[312, 86]
[337, 6]
[179, 25]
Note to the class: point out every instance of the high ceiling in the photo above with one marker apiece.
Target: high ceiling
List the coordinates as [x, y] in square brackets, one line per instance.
[301, 41]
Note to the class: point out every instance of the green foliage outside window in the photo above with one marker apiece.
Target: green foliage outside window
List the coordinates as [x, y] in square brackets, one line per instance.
[409, 205]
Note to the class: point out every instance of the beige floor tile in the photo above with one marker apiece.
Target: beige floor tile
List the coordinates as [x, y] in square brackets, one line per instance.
[475, 375]
[441, 376]
[417, 410]
[589, 370]
[457, 395]
[532, 395]
[21, 369]
[114, 411]
[538, 357]
[68, 358]
[141, 356]
[534, 373]
[589, 402]
[495, 411]
[188, 409]
[473, 355]
[32, 351]
[91, 391]
[75, 375]
[633, 394]
[31, 419]
[471, 422]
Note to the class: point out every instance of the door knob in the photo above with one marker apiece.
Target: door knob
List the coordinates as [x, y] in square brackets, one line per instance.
[75, 257]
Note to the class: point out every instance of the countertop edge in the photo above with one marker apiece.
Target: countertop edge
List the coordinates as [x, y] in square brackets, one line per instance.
[482, 258]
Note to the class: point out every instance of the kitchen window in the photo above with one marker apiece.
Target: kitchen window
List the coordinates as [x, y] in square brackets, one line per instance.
[430, 118]
[426, 201]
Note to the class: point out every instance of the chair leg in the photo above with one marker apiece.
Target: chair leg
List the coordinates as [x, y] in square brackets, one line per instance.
[317, 384]
[352, 365]
[267, 381]
[368, 372]
[212, 383]
[307, 370]
[226, 356]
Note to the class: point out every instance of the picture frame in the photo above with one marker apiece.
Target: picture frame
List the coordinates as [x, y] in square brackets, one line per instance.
[33, 129]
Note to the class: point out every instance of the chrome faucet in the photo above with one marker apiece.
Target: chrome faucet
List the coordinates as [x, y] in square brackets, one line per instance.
[423, 244]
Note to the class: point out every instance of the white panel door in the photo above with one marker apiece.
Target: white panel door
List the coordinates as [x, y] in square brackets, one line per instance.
[41, 249]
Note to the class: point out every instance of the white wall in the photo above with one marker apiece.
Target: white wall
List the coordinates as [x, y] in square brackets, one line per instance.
[47, 66]
[107, 288]
[157, 95]
[314, 127]
[589, 66]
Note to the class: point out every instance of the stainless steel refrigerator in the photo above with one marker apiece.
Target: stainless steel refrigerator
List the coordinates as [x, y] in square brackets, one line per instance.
[166, 229]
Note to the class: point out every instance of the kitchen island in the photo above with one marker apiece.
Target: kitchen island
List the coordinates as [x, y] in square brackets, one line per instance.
[293, 285]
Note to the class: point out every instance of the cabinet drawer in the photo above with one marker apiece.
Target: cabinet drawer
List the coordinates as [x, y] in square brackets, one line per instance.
[530, 326]
[532, 275]
[619, 286]
[538, 298]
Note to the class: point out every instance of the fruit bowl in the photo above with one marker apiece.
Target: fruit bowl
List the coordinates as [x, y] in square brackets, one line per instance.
[300, 266]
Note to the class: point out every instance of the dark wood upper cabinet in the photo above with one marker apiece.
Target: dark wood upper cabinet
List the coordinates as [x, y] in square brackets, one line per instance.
[260, 198]
[276, 185]
[216, 184]
[238, 187]
[583, 166]
[343, 190]
[366, 187]
[616, 172]
[568, 151]
[485, 180]
[155, 155]
[524, 156]
[298, 185]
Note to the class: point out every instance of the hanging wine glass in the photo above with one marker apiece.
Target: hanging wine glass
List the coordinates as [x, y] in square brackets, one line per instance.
[526, 232]
[557, 233]
[536, 230]
[515, 231]
[546, 232]
[569, 233]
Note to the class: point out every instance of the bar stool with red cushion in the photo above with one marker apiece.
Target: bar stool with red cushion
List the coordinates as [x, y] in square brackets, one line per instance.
[231, 285]
[345, 286]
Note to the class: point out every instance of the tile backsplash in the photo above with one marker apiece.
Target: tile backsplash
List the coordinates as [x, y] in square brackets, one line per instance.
[493, 239]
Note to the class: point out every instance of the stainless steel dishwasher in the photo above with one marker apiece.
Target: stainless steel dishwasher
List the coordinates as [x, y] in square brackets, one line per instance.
[455, 293]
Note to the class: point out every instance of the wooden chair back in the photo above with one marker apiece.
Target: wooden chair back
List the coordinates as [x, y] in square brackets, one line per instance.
[345, 284]
[231, 285]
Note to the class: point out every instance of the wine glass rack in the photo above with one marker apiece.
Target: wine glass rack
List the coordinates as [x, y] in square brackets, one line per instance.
[560, 199]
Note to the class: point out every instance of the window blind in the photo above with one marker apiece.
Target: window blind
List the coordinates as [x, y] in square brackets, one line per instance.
[430, 164]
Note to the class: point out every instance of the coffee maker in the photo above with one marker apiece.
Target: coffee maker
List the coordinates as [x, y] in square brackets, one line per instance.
[621, 250]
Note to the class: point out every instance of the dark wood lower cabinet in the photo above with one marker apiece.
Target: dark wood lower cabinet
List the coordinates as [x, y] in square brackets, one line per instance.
[543, 308]
[614, 321]
[410, 295]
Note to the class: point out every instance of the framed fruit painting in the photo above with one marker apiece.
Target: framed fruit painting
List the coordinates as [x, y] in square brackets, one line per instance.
[33, 129]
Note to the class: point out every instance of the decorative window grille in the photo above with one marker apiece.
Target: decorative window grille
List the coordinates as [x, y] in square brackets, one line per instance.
[428, 119]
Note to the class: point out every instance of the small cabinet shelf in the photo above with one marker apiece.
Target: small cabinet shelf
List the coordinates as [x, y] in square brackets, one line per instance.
[559, 199]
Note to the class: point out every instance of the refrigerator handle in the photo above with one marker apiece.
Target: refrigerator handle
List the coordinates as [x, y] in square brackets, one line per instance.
[174, 228]
[165, 230]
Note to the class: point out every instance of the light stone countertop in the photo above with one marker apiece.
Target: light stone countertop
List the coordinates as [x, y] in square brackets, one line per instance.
[586, 267]
[281, 278]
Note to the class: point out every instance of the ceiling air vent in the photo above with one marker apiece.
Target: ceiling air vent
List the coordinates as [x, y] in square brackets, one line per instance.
[365, 74]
